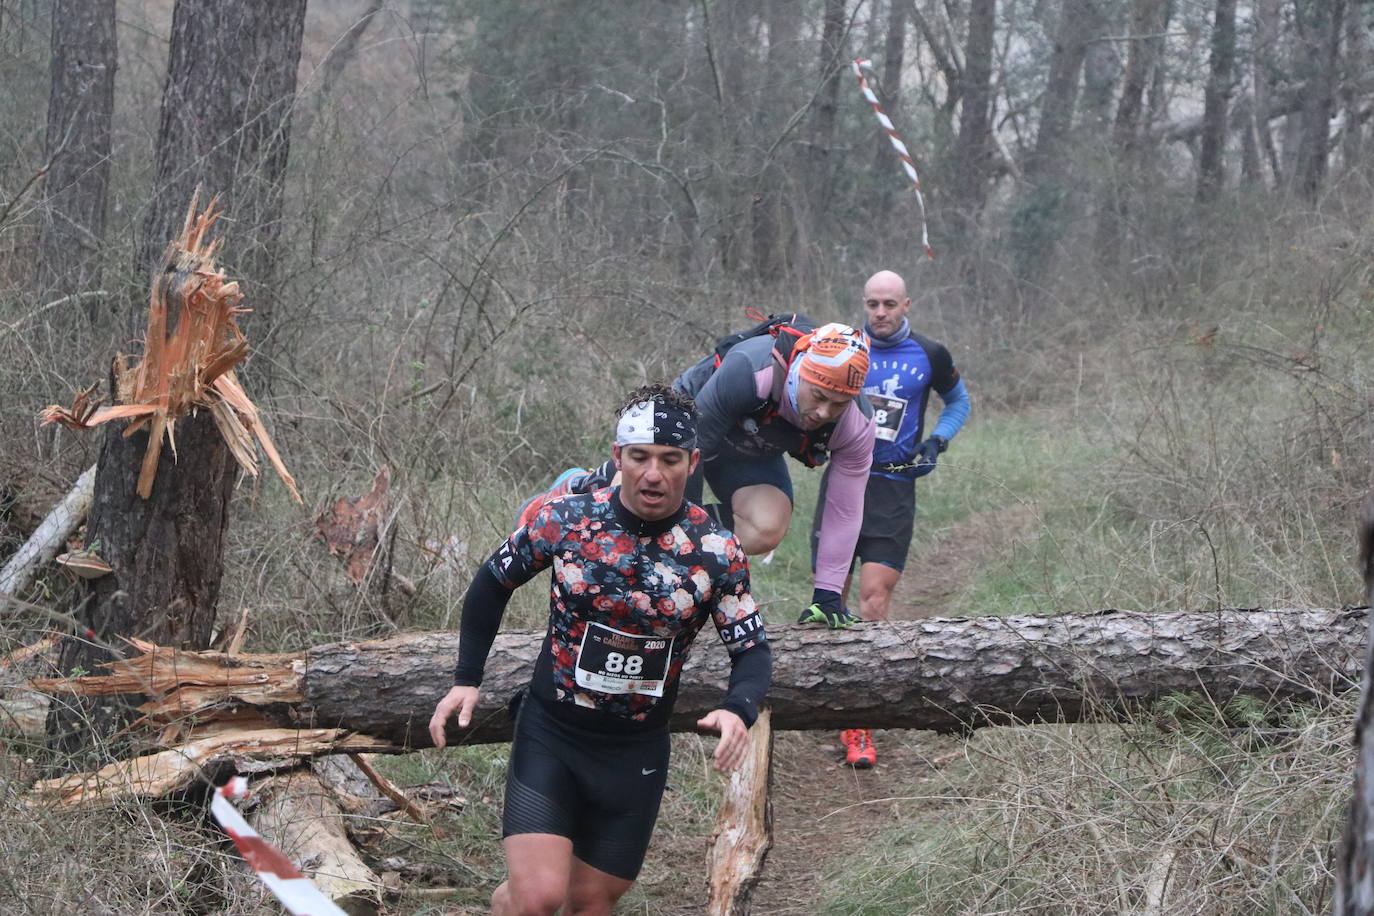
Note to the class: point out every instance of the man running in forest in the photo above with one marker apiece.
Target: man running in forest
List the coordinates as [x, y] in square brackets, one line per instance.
[904, 367]
[758, 405]
[637, 572]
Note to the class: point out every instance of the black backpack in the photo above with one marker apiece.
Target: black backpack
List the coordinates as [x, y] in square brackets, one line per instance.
[786, 329]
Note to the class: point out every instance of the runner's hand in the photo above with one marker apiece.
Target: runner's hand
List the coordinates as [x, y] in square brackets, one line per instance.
[734, 738]
[828, 608]
[462, 700]
[927, 453]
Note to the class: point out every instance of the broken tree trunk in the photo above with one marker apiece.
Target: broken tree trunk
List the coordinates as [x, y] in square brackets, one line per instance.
[744, 827]
[305, 821]
[160, 513]
[940, 673]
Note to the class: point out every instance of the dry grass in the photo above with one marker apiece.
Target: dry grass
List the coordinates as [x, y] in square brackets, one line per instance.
[1190, 810]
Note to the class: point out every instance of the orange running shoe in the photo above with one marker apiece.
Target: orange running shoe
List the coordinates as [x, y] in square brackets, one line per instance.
[858, 748]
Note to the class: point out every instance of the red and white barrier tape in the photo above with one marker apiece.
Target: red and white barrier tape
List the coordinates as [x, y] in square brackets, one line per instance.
[293, 889]
[859, 66]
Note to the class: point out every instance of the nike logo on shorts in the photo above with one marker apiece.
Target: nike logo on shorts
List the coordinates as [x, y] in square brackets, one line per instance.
[645, 772]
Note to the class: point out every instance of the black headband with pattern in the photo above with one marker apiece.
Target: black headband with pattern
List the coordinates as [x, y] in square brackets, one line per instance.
[656, 423]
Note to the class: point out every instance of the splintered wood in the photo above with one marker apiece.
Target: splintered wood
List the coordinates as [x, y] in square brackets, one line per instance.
[163, 772]
[192, 346]
[181, 685]
[744, 827]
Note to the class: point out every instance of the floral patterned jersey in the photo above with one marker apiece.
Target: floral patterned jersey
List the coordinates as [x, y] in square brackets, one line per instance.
[627, 598]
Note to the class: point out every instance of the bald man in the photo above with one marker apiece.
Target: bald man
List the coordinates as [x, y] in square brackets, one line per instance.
[903, 369]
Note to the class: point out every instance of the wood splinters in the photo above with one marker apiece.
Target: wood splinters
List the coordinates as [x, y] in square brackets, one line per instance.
[190, 350]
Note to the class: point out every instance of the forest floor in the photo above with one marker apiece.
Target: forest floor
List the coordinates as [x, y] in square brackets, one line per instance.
[824, 812]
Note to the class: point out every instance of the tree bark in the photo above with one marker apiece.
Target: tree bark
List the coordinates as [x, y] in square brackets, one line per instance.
[973, 151]
[940, 673]
[1320, 26]
[1262, 68]
[231, 80]
[165, 552]
[1141, 60]
[303, 819]
[80, 110]
[1211, 175]
[1356, 60]
[225, 126]
[890, 90]
[1074, 29]
[821, 167]
[744, 828]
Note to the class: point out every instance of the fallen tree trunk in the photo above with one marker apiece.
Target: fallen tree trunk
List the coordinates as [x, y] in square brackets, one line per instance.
[939, 673]
[302, 817]
[50, 537]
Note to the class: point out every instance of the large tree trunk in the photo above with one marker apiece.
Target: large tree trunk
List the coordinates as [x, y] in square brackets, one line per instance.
[165, 552]
[1356, 61]
[890, 93]
[1320, 26]
[820, 168]
[230, 83]
[939, 673]
[1263, 65]
[1210, 175]
[80, 108]
[1075, 27]
[226, 109]
[973, 151]
[1147, 20]
[1047, 210]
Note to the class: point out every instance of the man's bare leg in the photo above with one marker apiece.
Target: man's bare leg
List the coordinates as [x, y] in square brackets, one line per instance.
[593, 892]
[876, 582]
[539, 867]
[762, 513]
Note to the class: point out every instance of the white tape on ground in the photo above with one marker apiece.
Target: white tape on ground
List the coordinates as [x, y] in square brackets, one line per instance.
[293, 889]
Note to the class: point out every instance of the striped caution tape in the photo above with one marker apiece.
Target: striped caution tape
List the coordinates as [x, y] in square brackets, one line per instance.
[293, 889]
[859, 66]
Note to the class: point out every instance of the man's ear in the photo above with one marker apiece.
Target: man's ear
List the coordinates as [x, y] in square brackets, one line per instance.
[694, 461]
[615, 453]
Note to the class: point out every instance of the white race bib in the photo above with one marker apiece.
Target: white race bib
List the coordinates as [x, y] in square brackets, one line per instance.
[887, 416]
[610, 661]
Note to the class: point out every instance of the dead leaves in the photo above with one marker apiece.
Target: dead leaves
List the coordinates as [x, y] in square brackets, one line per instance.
[192, 346]
[352, 528]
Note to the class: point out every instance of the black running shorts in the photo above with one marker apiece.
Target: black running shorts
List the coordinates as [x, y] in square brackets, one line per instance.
[600, 790]
[889, 514]
[730, 472]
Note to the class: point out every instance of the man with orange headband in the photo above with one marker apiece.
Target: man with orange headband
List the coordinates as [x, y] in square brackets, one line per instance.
[769, 396]
[760, 404]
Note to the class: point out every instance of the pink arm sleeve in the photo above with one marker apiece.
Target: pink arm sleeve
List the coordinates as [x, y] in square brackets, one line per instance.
[851, 456]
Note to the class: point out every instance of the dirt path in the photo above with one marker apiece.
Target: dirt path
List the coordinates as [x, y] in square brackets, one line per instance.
[823, 811]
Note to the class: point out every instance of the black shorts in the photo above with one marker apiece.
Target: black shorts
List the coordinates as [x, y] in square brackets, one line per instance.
[889, 516]
[729, 471]
[602, 791]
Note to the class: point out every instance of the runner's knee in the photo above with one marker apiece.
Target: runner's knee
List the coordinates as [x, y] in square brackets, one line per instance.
[760, 532]
[529, 897]
[585, 902]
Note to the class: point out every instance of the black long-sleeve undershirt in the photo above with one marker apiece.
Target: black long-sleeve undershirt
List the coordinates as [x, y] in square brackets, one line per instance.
[484, 605]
